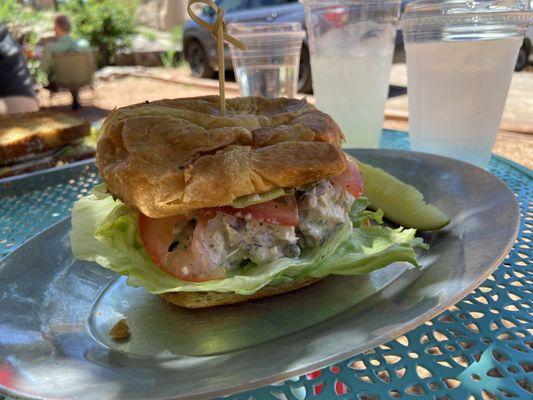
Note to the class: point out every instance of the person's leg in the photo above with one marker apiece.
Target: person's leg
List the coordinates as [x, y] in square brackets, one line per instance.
[75, 99]
[52, 85]
[18, 104]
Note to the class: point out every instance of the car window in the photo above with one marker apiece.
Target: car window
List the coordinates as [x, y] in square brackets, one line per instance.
[269, 3]
[233, 5]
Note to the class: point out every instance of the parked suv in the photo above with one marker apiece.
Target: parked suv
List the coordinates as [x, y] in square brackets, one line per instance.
[200, 48]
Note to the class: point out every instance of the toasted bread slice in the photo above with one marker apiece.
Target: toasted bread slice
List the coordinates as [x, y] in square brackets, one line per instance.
[33, 133]
[212, 299]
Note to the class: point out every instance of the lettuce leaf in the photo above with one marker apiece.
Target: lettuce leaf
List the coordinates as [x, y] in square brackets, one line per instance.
[245, 201]
[106, 231]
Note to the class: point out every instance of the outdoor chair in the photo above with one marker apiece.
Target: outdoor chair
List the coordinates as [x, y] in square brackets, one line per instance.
[74, 70]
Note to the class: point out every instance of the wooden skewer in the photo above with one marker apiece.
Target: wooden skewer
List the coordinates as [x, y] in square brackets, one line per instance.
[218, 31]
[221, 70]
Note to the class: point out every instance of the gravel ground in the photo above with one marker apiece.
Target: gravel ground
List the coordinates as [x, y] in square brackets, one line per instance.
[515, 142]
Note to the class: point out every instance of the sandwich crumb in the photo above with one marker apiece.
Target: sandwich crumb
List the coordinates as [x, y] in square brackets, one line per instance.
[120, 331]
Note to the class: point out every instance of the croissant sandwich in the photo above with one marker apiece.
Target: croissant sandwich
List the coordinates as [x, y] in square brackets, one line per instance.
[208, 210]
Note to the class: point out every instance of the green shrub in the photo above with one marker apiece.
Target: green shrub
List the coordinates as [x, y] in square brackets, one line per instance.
[150, 35]
[177, 34]
[168, 59]
[107, 24]
[11, 11]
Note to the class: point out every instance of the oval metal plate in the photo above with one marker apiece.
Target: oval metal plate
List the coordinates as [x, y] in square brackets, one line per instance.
[56, 311]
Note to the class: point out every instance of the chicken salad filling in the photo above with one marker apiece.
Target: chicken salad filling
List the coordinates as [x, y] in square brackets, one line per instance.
[229, 239]
[213, 241]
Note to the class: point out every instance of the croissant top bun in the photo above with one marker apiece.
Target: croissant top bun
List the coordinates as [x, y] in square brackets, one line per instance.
[170, 157]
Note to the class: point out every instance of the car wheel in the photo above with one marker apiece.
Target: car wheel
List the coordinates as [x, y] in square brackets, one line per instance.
[305, 81]
[522, 59]
[197, 60]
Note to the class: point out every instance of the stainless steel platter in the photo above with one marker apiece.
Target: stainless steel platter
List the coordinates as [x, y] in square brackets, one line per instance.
[40, 172]
[55, 311]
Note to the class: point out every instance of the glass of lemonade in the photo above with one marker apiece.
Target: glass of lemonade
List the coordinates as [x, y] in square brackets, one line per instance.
[351, 45]
[269, 65]
[460, 60]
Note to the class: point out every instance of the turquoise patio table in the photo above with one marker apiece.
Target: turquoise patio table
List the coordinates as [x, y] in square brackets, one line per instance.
[482, 346]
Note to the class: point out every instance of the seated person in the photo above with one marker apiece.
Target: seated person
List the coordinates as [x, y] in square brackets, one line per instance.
[16, 90]
[63, 43]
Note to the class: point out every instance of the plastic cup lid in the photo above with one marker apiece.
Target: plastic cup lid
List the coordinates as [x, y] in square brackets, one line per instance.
[260, 31]
[327, 3]
[467, 11]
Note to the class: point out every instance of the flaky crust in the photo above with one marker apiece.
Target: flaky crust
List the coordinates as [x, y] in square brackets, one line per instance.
[174, 156]
[213, 299]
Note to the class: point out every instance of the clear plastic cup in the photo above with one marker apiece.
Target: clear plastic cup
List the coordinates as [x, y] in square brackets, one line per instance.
[269, 66]
[460, 61]
[351, 45]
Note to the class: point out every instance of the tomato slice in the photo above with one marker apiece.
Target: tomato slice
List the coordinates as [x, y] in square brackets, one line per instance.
[281, 211]
[157, 235]
[350, 180]
[193, 264]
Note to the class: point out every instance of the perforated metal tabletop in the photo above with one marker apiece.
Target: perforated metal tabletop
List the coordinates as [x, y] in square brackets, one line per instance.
[479, 348]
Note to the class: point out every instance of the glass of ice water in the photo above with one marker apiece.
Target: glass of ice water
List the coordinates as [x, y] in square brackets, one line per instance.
[351, 45]
[460, 60]
[269, 65]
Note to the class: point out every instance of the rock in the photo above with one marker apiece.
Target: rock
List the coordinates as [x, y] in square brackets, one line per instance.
[147, 51]
[162, 14]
